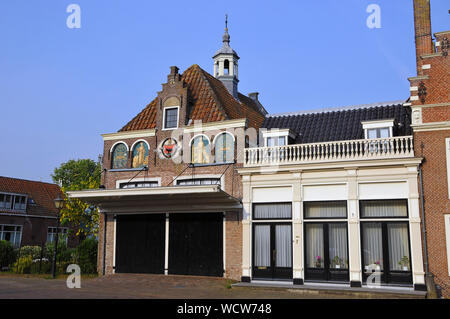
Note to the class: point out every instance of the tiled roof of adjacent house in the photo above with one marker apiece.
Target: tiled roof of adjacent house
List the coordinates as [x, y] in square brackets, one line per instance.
[211, 102]
[342, 123]
[42, 193]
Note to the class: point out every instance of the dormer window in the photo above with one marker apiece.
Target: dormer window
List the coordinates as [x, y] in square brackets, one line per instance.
[13, 202]
[277, 137]
[378, 129]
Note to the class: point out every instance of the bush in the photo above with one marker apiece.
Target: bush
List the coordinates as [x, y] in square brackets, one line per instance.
[7, 253]
[33, 251]
[23, 265]
[87, 256]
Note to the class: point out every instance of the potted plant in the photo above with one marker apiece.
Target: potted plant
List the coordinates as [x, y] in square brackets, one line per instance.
[336, 262]
[318, 263]
[404, 263]
[377, 265]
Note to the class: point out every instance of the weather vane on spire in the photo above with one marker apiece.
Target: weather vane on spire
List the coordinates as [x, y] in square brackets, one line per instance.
[226, 21]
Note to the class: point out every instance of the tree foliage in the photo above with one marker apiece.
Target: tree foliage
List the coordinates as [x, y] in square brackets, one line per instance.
[78, 175]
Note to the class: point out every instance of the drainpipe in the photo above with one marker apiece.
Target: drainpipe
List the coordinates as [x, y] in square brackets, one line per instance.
[429, 278]
[104, 244]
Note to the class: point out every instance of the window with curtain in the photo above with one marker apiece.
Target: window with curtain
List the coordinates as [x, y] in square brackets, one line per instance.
[283, 246]
[262, 245]
[11, 233]
[272, 211]
[399, 259]
[119, 156]
[314, 246]
[372, 245]
[337, 209]
[337, 242]
[224, 148]
[384, 208]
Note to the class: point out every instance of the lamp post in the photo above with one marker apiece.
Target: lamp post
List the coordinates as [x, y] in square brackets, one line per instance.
[58, 204]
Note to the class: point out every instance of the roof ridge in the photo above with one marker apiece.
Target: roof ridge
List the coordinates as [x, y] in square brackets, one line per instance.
[338, 109]
[29, 180]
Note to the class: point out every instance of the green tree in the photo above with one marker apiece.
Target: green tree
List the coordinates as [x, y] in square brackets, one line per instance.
[78, 175]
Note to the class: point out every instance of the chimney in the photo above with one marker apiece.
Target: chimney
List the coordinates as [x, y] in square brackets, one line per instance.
[423, 38]
[254, 96]
[173, 76]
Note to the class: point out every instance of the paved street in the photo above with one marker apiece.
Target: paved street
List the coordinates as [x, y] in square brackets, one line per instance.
[151, 286]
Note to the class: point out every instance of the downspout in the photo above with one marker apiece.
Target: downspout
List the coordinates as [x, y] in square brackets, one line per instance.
[104, 245]
[429, 278]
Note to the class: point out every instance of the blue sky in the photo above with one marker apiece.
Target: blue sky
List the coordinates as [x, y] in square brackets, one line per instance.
[61, 88]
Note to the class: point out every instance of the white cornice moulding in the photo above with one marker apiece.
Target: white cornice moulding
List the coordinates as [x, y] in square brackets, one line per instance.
[433, 126]
[211, 126]
[128, 134]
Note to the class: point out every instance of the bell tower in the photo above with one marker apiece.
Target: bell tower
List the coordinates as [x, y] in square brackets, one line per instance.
[226, 64]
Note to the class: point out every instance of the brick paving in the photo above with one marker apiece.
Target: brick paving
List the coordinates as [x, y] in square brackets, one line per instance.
[143, 286]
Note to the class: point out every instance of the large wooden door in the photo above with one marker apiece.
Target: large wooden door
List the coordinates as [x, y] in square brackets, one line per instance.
[140, 243]
[196, 244]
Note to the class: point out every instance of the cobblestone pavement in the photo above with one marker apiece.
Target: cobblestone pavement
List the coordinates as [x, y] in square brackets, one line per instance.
[148, 286]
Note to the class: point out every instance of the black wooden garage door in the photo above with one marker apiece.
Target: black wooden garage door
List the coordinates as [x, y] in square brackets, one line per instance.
[196, 244]
[140, 243]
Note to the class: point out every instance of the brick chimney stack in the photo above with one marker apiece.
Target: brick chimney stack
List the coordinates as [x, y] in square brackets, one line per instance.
[423, 38]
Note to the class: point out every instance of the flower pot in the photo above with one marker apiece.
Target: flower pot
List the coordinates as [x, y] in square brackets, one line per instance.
[405, 268]
[338, 266]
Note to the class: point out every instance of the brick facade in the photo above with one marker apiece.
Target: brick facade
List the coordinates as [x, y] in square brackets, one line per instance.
[430, 104]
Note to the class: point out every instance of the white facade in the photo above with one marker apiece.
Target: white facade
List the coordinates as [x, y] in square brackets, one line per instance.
[352, 182]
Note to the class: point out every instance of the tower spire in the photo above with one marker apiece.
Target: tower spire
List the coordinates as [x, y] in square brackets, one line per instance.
[226, 36]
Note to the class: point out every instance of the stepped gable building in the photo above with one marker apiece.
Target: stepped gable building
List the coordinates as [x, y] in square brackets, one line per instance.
[28, 213]
[171, 197]
[430, 104]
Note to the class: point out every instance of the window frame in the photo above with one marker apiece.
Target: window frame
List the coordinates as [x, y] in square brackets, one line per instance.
[2, 226]
[66, 233]
[271, 219]
[305, 203]
[165, 109]
[360, 202]
[215, 150]
[12, 202]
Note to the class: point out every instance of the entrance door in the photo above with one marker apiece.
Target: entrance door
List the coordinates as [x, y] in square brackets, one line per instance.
[140, 243]
[196, 244]
[326, 251]
[272, 251]
[385, 249]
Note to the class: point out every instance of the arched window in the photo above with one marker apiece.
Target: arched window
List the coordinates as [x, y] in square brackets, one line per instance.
[224, 148]
[140, 155]
[119, 156]
[226, 67]
[200, 150]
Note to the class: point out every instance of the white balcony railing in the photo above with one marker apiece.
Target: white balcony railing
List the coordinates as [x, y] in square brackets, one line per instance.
[393, 147]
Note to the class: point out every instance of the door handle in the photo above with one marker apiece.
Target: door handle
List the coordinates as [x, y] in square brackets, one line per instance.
[274, 254]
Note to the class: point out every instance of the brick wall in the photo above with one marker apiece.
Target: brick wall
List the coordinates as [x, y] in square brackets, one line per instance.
[436, 201]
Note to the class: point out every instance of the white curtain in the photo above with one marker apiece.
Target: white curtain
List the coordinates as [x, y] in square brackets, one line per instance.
[398, 246]
[314, 246]
[337, 234]
[325, 209]
[387, 208]
[372, 244]
[283, 246]
[272, 211]
[262, 245]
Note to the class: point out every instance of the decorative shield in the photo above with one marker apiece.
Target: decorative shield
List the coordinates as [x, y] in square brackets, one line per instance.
[169, 147]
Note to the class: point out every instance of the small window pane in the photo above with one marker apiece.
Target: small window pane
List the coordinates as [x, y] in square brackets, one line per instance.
[272, 211]
[387, 208]
[384, 132]
[372, 133]
[325, 209]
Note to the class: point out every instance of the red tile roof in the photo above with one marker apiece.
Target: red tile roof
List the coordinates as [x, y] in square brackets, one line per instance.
[211, 102]
[42, 193]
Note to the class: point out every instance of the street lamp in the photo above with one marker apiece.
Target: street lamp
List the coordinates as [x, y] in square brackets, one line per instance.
[58, 204]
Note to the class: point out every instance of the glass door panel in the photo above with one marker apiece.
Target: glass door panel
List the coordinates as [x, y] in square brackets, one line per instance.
[372, 243]
[314, 246]
[262, 250]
